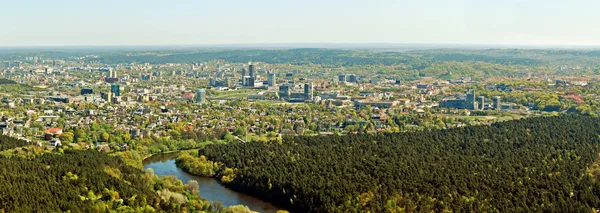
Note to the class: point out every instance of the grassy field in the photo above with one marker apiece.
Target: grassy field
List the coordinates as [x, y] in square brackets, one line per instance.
[241, 93]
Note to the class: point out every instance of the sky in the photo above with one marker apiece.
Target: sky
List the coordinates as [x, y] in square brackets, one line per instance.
[200, 22]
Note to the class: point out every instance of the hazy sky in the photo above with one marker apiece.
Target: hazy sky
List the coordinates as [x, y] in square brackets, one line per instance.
[163, 22]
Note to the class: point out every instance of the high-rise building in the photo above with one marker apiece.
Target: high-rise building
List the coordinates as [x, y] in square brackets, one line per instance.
[471, 100]
[481, 101]
[284, 91]
[244, 77]
[454, 103]
[342, 78]
[212, 82]
[250, 82]
[272, 80]
[200, 96]
[115, 89]
[86, 91]
[251, 70]
[308, 91]
[352, 78]
[110, 73]
[107, 96]
[496, 102]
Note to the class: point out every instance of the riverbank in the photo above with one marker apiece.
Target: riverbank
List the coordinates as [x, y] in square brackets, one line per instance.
[197, 165]
[163, 153]
[209, 187]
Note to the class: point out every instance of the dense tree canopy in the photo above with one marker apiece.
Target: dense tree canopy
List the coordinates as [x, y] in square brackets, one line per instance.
[6, 81]
[528, 165]
[9, 142]
[90, 181]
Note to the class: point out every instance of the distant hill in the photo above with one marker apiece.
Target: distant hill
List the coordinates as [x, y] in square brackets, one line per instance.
[12, 87]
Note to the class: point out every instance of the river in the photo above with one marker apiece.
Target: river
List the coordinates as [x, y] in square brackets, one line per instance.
[210, 189]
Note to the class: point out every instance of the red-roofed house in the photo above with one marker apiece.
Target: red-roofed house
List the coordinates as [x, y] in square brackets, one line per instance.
[578, 99]
[188, 96]
[53, 131]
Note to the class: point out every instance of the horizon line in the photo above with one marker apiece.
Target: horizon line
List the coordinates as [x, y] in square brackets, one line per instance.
[313, 44]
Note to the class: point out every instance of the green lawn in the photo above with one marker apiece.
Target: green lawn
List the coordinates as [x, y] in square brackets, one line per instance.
[242, 93]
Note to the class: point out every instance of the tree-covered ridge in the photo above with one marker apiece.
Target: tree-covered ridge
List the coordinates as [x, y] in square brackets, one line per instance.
[6, 81]
[90, 181]
[528, 165]
[338, 57]
[10, 143]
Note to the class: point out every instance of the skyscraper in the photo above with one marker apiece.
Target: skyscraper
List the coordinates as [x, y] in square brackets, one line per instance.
[244, 77]
[481, 102]
[200, 96]
[250, 81]
[308, 91]
[115, 89]
[471, 100]
[251, 70]
[272, 81]
[342, 78]
[107, 96]
[110, 73]
[352, 78]
[284, 91]
[496, 102]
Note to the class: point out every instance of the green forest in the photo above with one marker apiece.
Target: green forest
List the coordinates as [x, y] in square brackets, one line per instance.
[7, 143]
[6, 81]
[541, 164]
[90, 181]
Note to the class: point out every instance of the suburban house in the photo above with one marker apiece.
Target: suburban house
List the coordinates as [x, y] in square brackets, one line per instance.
[55, 142]
[53, 131]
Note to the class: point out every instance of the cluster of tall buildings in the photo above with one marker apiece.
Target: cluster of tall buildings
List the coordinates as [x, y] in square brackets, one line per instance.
[111, 75]
[471, 103]
[249, 80]
[219, 82]
[110, 72]
[347, 78]
[250, 77]
[293, 93]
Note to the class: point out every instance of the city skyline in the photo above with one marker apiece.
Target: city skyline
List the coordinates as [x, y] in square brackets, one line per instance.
[156, 23]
